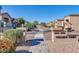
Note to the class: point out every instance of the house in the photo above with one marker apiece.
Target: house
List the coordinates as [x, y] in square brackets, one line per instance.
[59, 24]
[50, 24]
[69, 23]
[5, 21]
[72, 21]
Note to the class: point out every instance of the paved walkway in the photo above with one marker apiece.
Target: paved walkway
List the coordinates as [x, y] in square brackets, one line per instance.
[34, 45]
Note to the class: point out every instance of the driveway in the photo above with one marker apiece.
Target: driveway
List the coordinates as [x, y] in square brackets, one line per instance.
[35, 44]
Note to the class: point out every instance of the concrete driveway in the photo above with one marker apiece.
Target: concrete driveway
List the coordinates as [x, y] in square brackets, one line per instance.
[35, 44]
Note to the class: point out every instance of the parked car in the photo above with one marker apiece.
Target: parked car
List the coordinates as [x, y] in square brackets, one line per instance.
[30, 29]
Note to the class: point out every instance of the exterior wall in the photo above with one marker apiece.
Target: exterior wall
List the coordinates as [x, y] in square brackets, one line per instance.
[67, 17]
[3, 16]
[56, 24]
[7, 16]
[0, 17]
[65, 23]
[51, 24]
[59, 24]
[74, 20]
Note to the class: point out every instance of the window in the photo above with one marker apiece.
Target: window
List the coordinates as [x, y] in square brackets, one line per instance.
[60, 24]
[67, 20]
[1, 23]
[6, 20]
[72, 36]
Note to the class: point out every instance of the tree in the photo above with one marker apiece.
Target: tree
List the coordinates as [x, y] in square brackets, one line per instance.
[43, 24]
[35, 23]
[20, 21]
[28, 25]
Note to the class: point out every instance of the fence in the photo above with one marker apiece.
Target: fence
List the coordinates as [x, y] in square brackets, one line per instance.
[4, 29]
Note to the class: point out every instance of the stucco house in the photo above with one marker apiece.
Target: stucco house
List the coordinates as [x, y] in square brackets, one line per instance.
[50, 24]
[68, 22]
[5, 21]
[72, 21]
[59, 24]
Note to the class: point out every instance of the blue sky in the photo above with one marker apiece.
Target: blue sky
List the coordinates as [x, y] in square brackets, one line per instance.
[41, 13]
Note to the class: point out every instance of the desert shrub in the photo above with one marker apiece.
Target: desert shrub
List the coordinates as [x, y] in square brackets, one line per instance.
[14, 35]
[6, 45]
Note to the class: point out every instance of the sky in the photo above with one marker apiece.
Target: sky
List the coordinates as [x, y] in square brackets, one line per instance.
[41, 13]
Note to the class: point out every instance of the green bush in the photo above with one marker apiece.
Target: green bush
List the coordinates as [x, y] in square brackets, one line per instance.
[14, 35]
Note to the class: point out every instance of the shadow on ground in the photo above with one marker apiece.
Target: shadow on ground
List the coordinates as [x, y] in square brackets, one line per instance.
[33, 42]
[23, 51]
